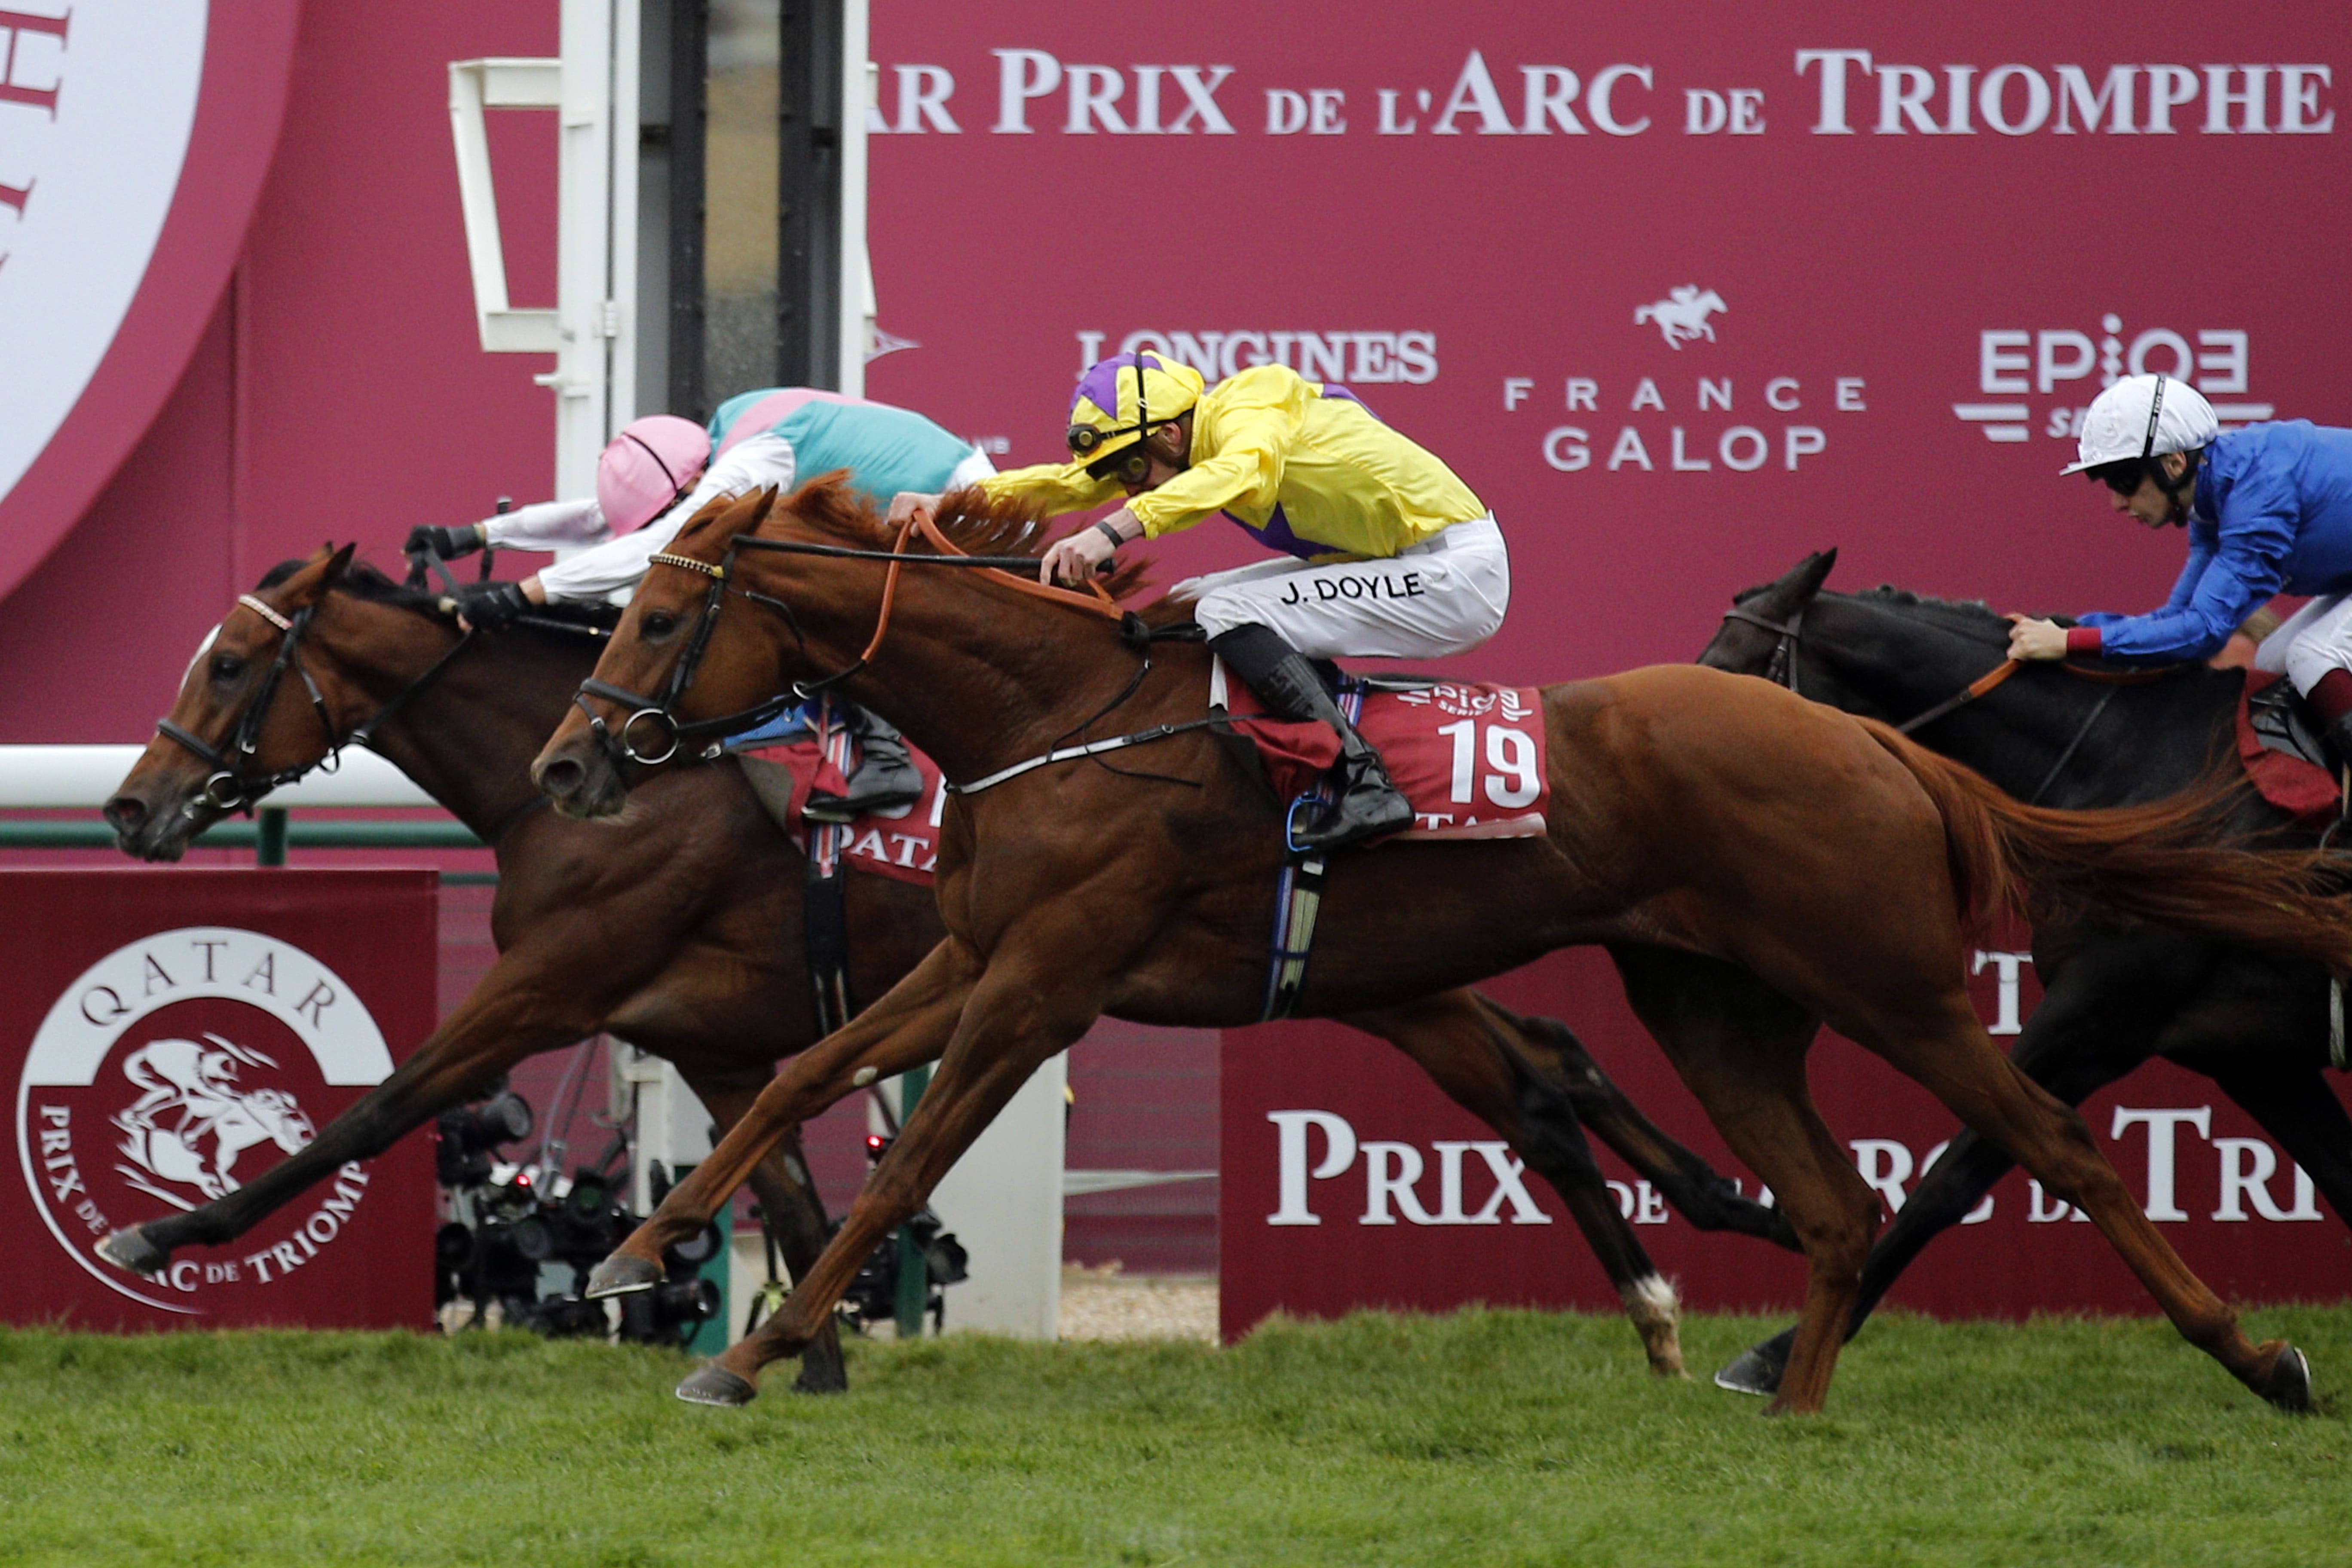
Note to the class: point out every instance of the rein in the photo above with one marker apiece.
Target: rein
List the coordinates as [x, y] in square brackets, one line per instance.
[1782, 671]
[621, 745]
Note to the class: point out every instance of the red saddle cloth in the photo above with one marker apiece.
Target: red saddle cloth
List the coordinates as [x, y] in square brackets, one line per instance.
[1470, 758]
[2302, 789]
[904, 843]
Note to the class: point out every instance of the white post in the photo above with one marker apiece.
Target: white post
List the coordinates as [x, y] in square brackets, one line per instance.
[1003, 1202]
[856, 294]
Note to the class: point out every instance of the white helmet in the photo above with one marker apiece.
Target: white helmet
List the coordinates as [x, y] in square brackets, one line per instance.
[2144, 416]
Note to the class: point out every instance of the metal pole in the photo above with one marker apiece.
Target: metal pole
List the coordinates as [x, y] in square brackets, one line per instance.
[270, 840]
[914, 1273]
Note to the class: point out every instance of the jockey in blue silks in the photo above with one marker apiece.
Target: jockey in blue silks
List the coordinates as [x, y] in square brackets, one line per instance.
[2268, 509]
[661, 471]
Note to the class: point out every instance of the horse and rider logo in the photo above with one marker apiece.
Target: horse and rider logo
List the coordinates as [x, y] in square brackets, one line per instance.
[192, 1118]
[1682, 315]
[175, 1072]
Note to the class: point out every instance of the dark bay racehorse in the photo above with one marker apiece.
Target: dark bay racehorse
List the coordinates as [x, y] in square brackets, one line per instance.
[2113, 995]
[1755, 863]
[679, 926]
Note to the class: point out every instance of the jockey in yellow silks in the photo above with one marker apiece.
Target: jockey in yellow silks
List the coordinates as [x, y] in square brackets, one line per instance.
[1390, 556]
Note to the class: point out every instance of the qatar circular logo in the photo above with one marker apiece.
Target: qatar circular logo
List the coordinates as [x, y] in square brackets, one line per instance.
[170, 1074]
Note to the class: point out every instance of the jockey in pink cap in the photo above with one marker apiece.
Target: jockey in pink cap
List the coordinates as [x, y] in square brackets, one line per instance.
[661, 471]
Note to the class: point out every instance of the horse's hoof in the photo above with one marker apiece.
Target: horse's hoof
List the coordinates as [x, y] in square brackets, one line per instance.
[714, 1385]
[130, 1249]
[2289, 1384]
[1756, 1370]
[622, 1275]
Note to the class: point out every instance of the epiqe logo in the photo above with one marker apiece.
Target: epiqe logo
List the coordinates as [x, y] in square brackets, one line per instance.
[170, 1073]
[2067, 367]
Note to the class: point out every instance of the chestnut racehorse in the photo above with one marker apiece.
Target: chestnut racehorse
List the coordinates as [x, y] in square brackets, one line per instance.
[1755, 864]
[679, 930]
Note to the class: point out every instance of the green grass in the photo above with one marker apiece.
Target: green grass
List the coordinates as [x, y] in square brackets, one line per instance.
[1486, 1437]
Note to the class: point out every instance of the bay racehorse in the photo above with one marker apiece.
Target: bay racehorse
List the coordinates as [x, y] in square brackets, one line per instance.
[2114, 995]
[679, 927]
[1755, 863]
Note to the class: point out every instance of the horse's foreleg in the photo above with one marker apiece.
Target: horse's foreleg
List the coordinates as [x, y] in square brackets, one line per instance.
[519, 1009]
[1741, 1047]
[1019, 1014]
[793, 1217]
[1708, 1199]
[1461, 1046]
[907, 1028]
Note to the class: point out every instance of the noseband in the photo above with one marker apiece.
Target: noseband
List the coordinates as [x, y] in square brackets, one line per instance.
[230, 788]
[621, 745]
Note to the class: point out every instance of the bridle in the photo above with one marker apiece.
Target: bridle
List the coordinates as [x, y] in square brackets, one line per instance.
[230, 787]
[1782, 670]
[621, 744]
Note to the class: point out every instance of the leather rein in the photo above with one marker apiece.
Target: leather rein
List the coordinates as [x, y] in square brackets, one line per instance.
[1782, 671]
[621, 743]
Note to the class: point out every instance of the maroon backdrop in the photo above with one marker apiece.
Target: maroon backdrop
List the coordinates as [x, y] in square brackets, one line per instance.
[1480, 287]
[2241, 1214]
[169, 1035]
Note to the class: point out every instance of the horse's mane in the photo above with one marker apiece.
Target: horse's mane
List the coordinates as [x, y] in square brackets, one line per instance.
[972, 520]
[1973, 613]
[367, 583]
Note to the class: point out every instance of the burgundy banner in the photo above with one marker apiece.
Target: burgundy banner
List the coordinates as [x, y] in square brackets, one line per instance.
[1683, 291]
[170, 1035]
[1348, 1181]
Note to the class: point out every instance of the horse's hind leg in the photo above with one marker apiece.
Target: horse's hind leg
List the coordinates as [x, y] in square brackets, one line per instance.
[1741, 1047]
[1708, 1199]
[1939, 1042]
[1466, 1052]
[794, 1216]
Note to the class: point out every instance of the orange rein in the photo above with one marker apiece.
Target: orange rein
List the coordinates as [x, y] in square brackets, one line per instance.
[1099, 601]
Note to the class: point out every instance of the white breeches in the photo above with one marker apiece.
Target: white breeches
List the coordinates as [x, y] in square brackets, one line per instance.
[2309, 642]
[1444, 596]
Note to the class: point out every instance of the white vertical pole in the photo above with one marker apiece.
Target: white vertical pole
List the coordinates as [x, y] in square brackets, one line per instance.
[595, 256]
[857, 293]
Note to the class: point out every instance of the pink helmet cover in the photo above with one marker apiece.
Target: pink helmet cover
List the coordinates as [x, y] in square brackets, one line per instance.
[648, 468]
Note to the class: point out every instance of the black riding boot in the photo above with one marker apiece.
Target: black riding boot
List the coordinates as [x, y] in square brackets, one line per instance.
[2339, 735]
[886, 776]
[1368, 803]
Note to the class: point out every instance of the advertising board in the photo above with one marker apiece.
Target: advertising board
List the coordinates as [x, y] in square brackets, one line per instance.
[168, 1036]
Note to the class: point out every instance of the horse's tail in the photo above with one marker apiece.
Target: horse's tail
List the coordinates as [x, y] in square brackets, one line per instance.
[2168, 862]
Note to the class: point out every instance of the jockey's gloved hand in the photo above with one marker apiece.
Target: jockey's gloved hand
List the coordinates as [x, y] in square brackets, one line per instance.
[491, 605]
[448, 543]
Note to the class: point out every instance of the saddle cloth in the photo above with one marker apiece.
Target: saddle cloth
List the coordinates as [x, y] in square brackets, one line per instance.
[1470, 758]
[902, 844]
[2280, 752]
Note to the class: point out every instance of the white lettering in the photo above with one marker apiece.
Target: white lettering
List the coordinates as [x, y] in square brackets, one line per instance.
[2006, 967]
[1801, 441]
[1759, 449]
[1380, 1188]
[1021, 75]
[2299, 101]
[1475, 89]
[1564, 448]
[2162, 1125]
[1833, 64]
[2169, 87]
[2113, 98]
[1291, 1146]
[1550, 91]
[1597, 100]
[1886, 1165]
[1778, 387]
[923, 94]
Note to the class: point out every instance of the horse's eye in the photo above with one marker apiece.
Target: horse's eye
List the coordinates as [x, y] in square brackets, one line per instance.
[227, 667]
[659, 624]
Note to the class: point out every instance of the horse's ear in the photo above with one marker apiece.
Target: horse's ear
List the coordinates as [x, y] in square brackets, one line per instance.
[1807, 575]
[336, 564]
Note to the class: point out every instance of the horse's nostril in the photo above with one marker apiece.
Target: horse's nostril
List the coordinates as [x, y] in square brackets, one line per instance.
[561, 776]
[124, 812]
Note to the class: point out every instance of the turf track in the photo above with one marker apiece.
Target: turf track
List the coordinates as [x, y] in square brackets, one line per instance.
[1500, 1437]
